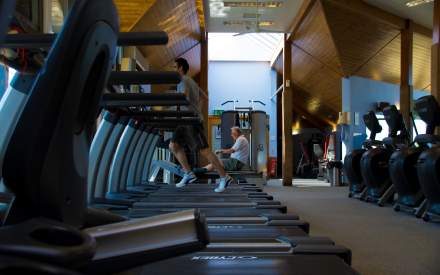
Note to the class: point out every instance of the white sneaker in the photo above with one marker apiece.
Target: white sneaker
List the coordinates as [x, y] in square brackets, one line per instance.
[224, 182]
[187, 178]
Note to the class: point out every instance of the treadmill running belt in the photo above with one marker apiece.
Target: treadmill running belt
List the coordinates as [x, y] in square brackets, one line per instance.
[224, 264]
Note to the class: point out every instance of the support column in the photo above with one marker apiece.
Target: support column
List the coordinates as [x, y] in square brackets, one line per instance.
[204, 76]
[435, 57]
[204, 100]
[435, 53]
[287, 114]
[406, 74]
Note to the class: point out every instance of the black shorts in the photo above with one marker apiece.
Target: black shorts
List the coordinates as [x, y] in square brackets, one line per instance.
[191, 136]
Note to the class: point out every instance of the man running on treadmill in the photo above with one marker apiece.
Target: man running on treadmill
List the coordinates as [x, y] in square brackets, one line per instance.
[239, 153]
[193, 136]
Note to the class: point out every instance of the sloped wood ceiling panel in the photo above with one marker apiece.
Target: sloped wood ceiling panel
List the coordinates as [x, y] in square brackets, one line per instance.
[369, 48]
[131, 11]
[422, 62]
[179, 18]
[321, 82]
[357, 36]
[314, 37]
[316, 70]
[385, 65]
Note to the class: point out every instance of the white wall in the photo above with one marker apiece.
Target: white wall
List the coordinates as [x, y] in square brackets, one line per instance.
[244, 81]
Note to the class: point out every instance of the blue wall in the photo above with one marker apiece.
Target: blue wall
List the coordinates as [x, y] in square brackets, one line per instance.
[359, 96]
[243, 81]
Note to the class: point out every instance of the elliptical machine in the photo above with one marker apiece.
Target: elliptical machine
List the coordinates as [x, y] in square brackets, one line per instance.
[374, 162]
[403, 172]
[428, 163]
[352, 161]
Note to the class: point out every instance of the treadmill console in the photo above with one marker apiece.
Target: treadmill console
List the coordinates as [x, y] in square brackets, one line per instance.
[372, 124]
[429, 111]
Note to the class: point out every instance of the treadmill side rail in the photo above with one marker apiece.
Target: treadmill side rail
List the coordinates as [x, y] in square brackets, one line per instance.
[127, 244]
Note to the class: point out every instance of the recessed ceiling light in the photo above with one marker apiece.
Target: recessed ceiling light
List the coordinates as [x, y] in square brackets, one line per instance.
[265, 23]
[247, 23]
[414, 3]
[255, 4]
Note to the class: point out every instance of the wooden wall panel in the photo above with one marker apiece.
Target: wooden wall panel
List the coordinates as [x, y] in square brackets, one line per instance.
[180, 20]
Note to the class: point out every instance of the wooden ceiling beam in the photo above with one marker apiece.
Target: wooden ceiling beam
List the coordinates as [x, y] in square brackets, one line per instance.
[417, 28]
[304, 10]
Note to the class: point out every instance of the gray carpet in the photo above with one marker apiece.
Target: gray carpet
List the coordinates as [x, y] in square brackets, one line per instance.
[382, 241]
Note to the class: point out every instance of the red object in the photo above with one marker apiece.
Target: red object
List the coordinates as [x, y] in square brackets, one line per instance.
[272, 167]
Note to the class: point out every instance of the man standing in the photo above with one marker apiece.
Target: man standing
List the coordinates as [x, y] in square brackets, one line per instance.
[193, 136]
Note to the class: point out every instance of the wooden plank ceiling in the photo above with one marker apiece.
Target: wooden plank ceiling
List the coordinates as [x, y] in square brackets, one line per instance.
[180, 19]
[131, 11]
[336, 41]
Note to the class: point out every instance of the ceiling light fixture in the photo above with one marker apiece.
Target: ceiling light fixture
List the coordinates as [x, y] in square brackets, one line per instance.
[269, 4]
[415, 3]
[217, 9]
[265, 23]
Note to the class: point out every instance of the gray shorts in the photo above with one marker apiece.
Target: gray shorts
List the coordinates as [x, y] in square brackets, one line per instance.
[192, 136]
[232, 164]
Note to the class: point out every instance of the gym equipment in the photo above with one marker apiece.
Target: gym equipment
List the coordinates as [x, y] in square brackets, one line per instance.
[428, 162]
[403, 173]
[352, 161]
[222, 234]
[254, 125]
[374, 162]
[308, 164]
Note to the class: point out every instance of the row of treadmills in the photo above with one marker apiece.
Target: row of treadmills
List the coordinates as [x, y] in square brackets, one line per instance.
[80, 200]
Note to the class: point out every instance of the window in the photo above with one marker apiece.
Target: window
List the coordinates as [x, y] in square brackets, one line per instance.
[385, 129]
[420, 125]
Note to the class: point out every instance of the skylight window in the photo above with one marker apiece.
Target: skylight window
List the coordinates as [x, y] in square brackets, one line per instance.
[243, 46]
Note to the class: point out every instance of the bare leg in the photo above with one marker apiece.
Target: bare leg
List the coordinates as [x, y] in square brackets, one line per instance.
[210, 167]
[180, 155]
[215, 162]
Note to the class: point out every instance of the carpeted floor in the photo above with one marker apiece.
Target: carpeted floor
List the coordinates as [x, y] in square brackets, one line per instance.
[382, 241]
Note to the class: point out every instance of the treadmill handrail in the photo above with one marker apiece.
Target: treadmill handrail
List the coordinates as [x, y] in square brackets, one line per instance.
[45, 40]
[145, 77]
[141, 99]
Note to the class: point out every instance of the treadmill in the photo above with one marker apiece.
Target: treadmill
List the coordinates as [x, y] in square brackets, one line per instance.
[291, 225]
[282, 236]
[44, 163]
